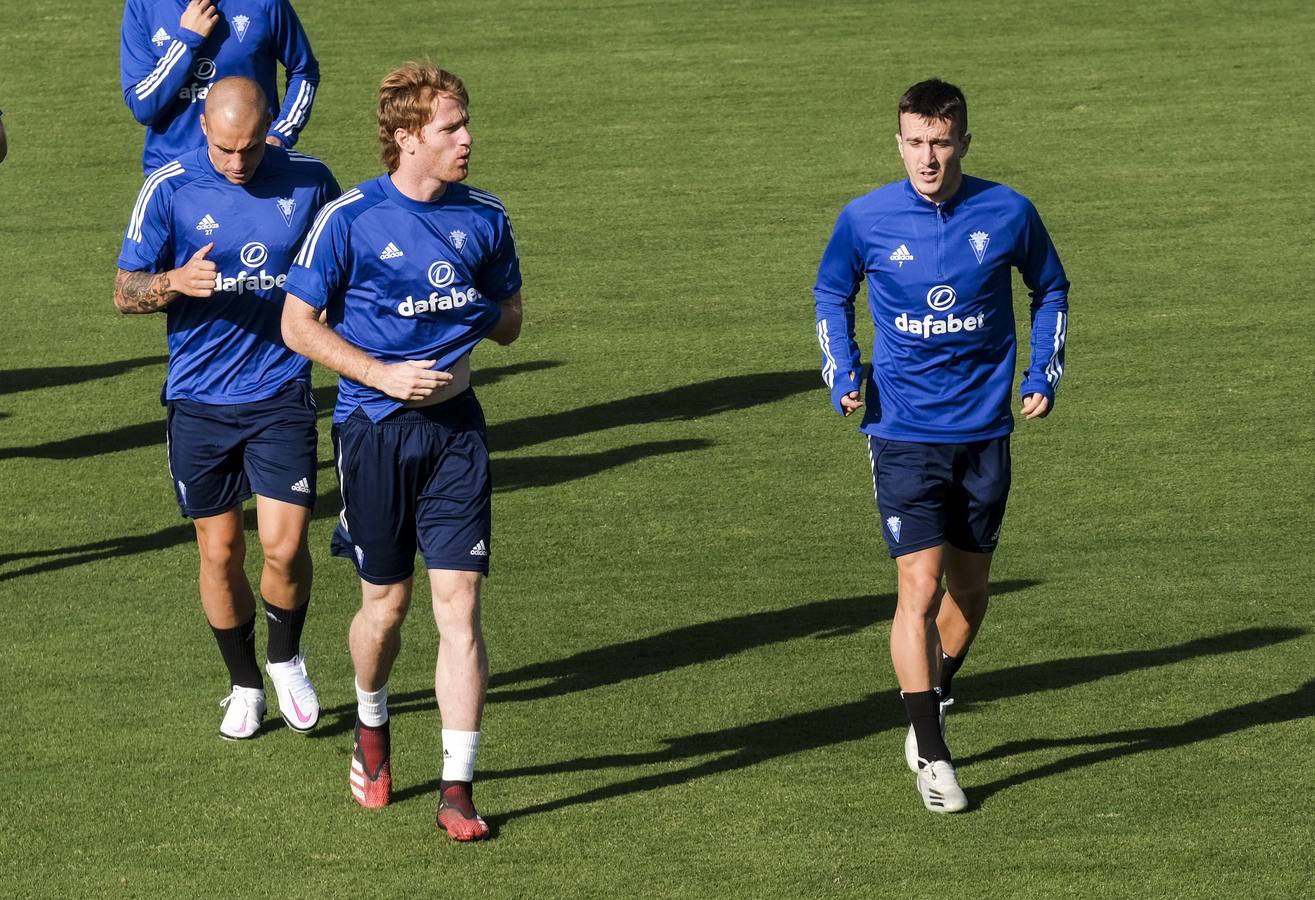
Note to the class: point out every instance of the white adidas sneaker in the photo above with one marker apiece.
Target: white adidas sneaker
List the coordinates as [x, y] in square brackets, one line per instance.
[939, 787]
[246, 709]
[298, 703]
[911, 739]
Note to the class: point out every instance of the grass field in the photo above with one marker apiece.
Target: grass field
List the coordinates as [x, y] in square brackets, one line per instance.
[690, 601]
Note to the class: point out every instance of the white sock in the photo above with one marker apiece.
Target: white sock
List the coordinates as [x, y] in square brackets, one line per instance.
[459, 749]
[372, 706]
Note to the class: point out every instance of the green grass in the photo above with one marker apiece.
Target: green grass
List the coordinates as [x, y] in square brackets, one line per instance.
[688, 612]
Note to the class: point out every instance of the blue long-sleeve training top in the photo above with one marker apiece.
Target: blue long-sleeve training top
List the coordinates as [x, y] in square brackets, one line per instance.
[940, 291]
[166, 70]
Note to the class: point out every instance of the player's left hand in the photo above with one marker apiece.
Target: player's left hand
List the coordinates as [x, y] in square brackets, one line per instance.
[273, 139]
[1036, 406]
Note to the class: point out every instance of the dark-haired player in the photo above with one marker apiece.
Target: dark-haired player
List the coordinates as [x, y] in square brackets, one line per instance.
[937, 250]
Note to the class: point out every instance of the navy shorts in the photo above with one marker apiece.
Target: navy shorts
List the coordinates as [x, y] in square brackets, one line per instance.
[931, 494]
[419, 478]
[219, 455]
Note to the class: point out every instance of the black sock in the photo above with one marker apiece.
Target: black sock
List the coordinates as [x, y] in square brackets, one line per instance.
[284, 631]
[238, 647]
[924, 712]
[949, 666]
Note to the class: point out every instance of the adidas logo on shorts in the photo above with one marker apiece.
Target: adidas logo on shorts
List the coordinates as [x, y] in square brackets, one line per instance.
[479, 549]
[301, 487]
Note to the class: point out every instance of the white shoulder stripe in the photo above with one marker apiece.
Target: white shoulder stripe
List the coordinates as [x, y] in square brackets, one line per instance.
[307, 252]
[486, 198]
[491, 201]
[161, 70]
[158, 177]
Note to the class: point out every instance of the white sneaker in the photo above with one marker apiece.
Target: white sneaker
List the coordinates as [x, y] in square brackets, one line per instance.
[940, 788]
[911, 739]
[246, 707]
[298, 703]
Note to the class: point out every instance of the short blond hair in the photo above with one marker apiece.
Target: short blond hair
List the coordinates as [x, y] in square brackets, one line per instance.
[406, 100]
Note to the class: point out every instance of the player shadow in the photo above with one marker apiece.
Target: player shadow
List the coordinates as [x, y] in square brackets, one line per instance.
[508, 474]
[696, 644]
[689, 402]
[692, 401]
[15, 380]
[1297, 704]
[685, 403]
[150, 434]
[749, 745]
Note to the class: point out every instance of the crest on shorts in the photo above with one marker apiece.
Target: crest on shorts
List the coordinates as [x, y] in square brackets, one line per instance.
[979, 240]
[458, 239]
[240, 24]
[287, 206]
[894, 525]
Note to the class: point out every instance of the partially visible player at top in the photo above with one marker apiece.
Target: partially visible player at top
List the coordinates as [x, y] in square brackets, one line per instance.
[414, 269]
[209, 243]
[937, 251]
[172, 51]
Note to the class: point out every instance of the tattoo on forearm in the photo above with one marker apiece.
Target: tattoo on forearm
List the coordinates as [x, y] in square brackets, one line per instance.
[142, 292]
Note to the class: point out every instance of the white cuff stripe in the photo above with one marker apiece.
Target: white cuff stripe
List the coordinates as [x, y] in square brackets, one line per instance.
[162, 69]
[1054, 368]
[296, 117]
[829, 368]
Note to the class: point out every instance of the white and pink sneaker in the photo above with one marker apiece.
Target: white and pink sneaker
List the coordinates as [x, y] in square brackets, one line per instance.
[246, 709]
[298, 703]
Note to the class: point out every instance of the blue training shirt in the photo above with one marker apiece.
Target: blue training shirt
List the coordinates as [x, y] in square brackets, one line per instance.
[405, 279]
[166, 70]
[228, 347]
[941, 296]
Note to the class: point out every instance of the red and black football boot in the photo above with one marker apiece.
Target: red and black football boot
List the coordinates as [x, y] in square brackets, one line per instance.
[371, 778]
[456, 813]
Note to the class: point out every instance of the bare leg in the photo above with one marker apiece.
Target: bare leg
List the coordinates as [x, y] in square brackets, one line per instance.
[225, 591]
[461, 675]
[375, 636]
[964, 605]
[915, 645]
[285, 580]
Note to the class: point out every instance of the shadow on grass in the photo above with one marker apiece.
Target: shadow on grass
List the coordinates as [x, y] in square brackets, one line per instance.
[510, 474]
[695, 644]
[151, 434]
[694, 401]
[1297, 704]
[16, 380]
[749, 745]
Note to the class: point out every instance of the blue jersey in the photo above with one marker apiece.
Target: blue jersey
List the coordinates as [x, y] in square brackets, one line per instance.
[939, 287]
[166, 70]
[228, 347]
[404, 279]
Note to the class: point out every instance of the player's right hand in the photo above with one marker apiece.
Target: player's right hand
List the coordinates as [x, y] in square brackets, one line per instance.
[850, 402]
[196, 277]
[412, 379]
[200, 16]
